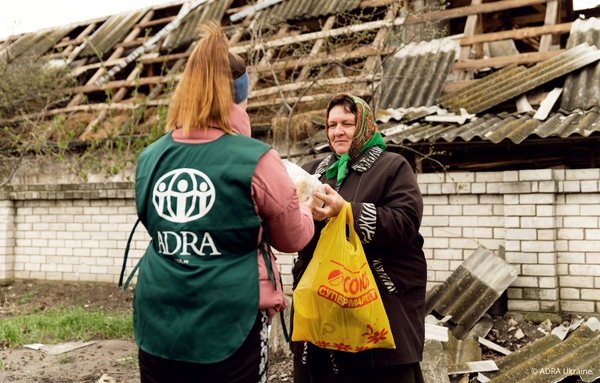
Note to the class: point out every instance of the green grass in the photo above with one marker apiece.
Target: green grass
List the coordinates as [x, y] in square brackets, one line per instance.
[128, 361]
[25, 297]
[64, 324]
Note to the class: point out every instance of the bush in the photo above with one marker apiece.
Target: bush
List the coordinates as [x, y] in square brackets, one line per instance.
[29, 87]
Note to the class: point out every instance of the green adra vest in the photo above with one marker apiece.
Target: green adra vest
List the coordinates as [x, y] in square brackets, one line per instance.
[197, 292]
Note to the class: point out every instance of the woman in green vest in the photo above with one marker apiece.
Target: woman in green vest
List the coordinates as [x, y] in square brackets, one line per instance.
[208, 194]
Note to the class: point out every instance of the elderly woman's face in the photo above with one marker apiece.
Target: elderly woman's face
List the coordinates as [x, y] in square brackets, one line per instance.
[341, 128]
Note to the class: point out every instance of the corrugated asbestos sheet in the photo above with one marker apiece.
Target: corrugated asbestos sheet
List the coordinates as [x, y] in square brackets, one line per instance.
[417, 73]
[308, 9]
[187, 31]
[460, 352]
[513, 81]
[111, 32]
[582, 88]
[498, 127]
[550, 360]
[35, 44]
[471, 290]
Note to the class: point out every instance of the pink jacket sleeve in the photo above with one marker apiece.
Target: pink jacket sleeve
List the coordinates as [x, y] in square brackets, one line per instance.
[290, 226]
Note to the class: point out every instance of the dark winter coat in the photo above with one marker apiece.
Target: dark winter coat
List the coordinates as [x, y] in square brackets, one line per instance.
[387, 207]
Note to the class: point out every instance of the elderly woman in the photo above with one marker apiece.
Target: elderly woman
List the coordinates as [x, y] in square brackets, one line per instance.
[387, 207]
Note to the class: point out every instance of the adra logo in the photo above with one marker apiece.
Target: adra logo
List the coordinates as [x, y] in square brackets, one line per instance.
[183, 195]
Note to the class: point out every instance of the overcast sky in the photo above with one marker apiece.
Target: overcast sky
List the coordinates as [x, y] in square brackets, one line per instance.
[19, 16]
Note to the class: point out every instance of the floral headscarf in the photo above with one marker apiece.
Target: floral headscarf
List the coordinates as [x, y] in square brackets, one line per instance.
[365, 136]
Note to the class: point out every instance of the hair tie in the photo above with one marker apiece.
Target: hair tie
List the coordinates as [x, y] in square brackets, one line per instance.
[240, 86]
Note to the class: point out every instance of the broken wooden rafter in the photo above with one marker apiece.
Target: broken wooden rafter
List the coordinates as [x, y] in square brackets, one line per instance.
[70, 47]
[523, 58]
[516, 34]
[148, 58]
[277, 65]
[291, 100]
[305, 84]
[115, 55]
[126, 83]
[76, 41]
[433, 16]
[363, 4]
[550, 19]
[427, 17]
[87, 108]
[155, 22]
[465, 51]
[132, 43]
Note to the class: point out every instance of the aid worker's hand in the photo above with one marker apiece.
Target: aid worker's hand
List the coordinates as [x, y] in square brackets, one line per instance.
[333, 204]
[308, 201]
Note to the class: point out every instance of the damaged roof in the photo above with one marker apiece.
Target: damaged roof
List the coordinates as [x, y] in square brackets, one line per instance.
[35, 44]
[416, 74]
[498, 127]
[188, 30]
[514, 81]
[582, 88]
[111, 32]
[471, 290]
[308, 9]
[550, 360]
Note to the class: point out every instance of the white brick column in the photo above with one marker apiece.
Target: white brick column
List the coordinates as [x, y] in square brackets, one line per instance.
[531, 232]
[578, 240]
[7, 240]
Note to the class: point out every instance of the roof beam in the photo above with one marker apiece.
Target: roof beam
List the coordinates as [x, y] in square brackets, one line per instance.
[550, 19]
[516, 34]
[523, 58]
[427, 17]
[465, 51]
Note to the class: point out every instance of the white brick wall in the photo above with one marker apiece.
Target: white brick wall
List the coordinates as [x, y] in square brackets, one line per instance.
[547, 220]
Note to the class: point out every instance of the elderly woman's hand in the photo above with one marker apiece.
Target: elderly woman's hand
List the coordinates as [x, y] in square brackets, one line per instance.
[333, 204]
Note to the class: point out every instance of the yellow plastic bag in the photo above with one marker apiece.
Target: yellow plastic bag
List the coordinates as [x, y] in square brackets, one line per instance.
[337, 304]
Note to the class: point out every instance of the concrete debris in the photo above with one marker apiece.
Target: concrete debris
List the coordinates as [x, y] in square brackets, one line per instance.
[593, 324]
[431, 320]
[106, 379]
[519, 334]
[471, 290]
[523, 105]
[483, 366]
[444, 116]
[434, 363]
[433, 332]
[546, 326]
[61, 348]
[560, 331]
[463, 331]
[547, 104]
[494, 346]
[576, 323]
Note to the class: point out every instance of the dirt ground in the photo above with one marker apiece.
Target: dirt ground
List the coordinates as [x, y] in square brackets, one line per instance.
[115, 361]
[106, 361]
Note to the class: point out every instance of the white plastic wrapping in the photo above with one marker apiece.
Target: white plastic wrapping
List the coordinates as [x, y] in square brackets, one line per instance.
[306, 184]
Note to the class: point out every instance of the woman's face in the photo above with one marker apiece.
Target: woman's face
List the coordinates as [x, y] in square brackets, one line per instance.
[341, 128]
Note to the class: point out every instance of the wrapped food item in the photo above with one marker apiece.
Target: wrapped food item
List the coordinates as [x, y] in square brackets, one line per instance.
[306, 184]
